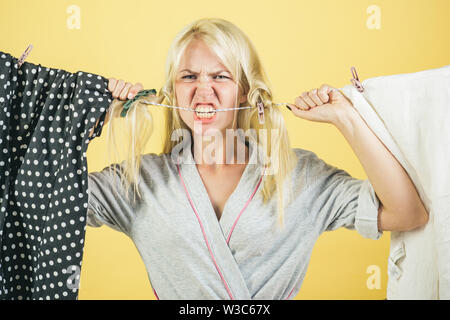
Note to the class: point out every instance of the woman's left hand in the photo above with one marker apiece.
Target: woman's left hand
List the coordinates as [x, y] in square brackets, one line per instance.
[325, 104]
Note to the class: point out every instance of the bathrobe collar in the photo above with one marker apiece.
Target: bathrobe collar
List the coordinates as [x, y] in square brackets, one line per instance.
[218, 233]
[243, 191]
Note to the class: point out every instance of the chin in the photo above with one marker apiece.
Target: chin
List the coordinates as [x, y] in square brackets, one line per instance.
[206, 129]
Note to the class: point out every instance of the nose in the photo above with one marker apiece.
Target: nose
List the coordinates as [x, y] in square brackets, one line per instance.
[204, 87]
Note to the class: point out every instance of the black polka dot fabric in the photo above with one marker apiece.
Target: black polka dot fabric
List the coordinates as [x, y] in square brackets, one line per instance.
[45, 119]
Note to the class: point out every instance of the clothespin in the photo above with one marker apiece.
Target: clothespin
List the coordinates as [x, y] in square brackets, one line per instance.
[24, 55]
[127, 104]
[260, 106]
[355, 80]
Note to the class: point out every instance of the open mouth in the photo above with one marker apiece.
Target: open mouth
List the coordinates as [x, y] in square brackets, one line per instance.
[205, 110]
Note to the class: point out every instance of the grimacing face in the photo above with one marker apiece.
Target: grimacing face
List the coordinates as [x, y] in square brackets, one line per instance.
[202, 77]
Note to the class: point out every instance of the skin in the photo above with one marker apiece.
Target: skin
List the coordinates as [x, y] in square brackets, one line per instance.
[207, 80]
[401, 208]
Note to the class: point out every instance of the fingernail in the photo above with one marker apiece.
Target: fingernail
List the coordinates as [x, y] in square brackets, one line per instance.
[288, 108]
[130, 96]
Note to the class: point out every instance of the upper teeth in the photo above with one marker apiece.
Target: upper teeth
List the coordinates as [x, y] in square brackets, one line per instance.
[205, 109]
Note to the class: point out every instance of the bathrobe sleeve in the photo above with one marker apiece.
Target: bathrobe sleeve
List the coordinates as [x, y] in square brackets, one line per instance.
[107, 204]
[341, 200]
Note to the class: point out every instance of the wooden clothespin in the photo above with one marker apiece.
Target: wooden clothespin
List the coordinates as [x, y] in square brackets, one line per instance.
[355, 80]
[260, 106]
[24, 55]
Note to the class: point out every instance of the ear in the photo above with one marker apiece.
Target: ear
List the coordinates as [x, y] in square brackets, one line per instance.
[242, 98]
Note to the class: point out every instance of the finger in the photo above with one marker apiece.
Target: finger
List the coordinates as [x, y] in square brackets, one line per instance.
[313, 95]
[299, 112]
[119, 86]
[307, 99]
[134, 90]
[112, 84]
[323, 93]
[124, 92]
[301, 104]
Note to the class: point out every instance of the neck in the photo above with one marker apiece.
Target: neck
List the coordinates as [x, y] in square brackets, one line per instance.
[213, 153]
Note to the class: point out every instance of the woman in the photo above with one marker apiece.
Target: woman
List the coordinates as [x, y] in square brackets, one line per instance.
[206, 226]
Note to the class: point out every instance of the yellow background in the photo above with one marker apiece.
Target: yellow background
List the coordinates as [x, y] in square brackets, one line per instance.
[303, 44]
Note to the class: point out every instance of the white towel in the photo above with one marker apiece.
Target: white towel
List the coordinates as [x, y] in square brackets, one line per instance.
[410, 114]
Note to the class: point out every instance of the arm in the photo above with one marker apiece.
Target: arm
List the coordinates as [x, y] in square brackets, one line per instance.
[107, 201]
[401, 207]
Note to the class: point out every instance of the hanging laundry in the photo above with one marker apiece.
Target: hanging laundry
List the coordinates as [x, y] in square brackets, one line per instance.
[45, 117]
[410, 114]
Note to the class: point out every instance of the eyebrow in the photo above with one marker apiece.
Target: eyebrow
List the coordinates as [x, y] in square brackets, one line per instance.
[216, 72]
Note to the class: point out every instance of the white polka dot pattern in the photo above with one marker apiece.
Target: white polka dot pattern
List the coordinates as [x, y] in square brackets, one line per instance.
[45, 118]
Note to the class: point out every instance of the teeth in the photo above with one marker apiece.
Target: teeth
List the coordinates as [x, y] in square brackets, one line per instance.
[205, 115]
[205, 112]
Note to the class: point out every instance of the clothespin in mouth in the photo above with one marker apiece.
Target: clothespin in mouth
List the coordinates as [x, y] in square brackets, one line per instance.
[355, 80]
[260, 106]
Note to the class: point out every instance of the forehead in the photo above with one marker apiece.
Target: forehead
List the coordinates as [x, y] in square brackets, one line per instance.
[198, 56]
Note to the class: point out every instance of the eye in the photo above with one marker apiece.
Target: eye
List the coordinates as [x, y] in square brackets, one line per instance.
[191, 75]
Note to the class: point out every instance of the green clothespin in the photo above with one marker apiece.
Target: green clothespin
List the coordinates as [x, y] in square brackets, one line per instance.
[127, 104]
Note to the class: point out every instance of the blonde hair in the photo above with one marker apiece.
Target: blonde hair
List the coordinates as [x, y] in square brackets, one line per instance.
[239, 56]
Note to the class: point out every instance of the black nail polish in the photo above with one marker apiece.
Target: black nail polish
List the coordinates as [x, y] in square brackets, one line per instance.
[288, 108]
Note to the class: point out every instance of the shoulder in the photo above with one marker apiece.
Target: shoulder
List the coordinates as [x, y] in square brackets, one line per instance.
[157, 161]
[305, 158]
[300, 171]
[310, 158]
[303, 153]
[158, 167]
[313, 167]
[153, 159]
